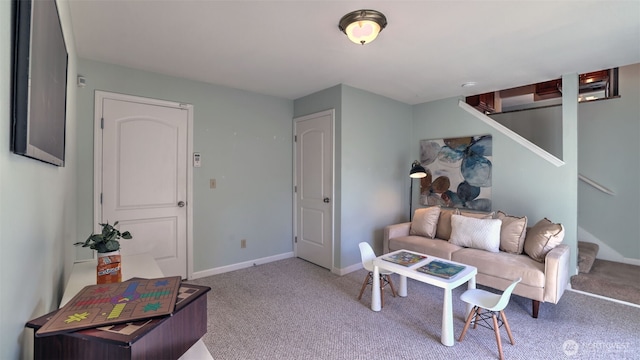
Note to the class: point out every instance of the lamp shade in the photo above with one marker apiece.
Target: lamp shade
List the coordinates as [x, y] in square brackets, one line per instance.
[417, 170]
[362, 26]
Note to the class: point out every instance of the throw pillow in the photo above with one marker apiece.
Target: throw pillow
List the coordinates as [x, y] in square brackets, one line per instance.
[512, 233]
[477, 215]
[443, 231]
[483, 234]
[542, 238]
[425, 221]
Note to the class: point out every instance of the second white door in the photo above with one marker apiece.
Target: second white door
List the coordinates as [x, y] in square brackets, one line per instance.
[314, 188]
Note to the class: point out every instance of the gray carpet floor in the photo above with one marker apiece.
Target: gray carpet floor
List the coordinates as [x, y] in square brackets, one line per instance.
[292, 309]
[611, 279]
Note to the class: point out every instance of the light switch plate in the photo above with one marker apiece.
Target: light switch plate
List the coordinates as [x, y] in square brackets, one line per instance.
[196, 159]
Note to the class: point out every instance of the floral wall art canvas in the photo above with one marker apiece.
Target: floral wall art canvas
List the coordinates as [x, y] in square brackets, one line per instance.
[458, 172]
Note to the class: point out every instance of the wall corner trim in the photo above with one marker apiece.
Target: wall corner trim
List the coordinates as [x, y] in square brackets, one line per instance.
[511, 134]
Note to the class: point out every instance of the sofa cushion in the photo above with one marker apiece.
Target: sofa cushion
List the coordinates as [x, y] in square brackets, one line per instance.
[512, 232]
[475, 233]
[477, 215]
[433, 247]
[425, 221]
[541, 238]
[503, 265]
[443, 230]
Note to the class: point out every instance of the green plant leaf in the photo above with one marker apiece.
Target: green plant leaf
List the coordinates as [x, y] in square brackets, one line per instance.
[106, 240]
[96, 238]
[112, 245]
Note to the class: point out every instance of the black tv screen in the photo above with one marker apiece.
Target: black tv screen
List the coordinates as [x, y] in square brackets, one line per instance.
[39, 82]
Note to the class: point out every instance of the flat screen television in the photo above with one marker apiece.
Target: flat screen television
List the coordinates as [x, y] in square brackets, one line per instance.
[39, 94]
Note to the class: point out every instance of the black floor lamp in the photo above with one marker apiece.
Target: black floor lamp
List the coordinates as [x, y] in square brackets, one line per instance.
[417, 172]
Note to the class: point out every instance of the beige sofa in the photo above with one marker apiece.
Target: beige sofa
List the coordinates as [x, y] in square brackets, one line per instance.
[543, 280]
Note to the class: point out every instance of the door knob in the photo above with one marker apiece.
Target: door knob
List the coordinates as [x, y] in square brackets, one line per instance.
[326, 200]
[181, 203]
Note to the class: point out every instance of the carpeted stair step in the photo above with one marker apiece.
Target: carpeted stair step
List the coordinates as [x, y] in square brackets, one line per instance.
[610, 279]
[586, 255]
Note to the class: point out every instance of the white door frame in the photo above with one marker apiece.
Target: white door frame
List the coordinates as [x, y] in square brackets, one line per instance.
[330, 112]
[97, 160]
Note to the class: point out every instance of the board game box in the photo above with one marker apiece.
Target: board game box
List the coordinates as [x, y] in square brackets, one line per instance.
[404, 258]
[442, 269]
[104, 304]
[160, 337]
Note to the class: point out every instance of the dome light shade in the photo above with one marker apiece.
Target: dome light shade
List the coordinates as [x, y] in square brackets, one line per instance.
[362, 26]
[417, 170]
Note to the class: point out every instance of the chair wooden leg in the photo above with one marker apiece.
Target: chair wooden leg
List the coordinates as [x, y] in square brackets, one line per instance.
[393, 290]
[364, 285]
[496, 328]
[506, 326]
[472, 313]
[475, 323]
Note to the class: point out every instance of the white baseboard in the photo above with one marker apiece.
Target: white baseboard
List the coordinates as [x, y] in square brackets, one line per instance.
[242, 265]
[348, 269]
[604, 298]
[605, 252]
[250, 263]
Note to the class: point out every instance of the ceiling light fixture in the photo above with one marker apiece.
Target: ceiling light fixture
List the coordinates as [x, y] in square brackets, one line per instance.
[362, 26]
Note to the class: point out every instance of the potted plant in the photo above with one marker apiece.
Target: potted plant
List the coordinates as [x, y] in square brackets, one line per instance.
[107, 240]
[108, 247]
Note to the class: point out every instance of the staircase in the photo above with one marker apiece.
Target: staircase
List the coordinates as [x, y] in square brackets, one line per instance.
[587, 252]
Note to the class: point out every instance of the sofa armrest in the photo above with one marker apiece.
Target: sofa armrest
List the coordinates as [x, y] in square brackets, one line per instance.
[556, 271]
[393, 231]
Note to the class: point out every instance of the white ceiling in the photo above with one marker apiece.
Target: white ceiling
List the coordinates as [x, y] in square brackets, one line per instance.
[290, 49]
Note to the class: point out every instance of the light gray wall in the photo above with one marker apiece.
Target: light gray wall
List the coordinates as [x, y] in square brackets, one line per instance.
[375, 168]
[523, 183]
[542, 126]
[372, 164]
[245, 140]
[37, 211]
[609, 149]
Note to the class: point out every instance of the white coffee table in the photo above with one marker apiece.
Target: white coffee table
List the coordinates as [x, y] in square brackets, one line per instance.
[468, 275]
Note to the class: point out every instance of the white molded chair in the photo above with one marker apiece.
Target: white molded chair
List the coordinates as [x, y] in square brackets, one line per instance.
[367, 255]
[493, 303]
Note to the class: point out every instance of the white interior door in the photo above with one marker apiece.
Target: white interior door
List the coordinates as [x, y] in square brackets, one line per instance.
[314, 188]
[144, 179]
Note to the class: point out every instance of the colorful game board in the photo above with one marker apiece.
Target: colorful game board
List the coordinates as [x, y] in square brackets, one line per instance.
[99, 305]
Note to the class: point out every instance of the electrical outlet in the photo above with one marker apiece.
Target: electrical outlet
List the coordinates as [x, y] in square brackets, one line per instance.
[243, 243]
[212, 183]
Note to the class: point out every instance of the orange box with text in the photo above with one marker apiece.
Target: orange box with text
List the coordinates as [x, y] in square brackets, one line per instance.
[108, 270]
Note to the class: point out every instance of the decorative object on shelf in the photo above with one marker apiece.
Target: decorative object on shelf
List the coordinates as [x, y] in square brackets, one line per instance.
[458, 172]
[441, 268]
[362, 26]
[108, 247]
[109, 269]
[404, 258]
[417, 172]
